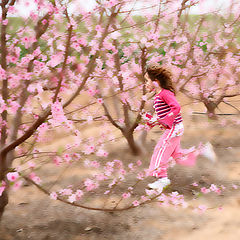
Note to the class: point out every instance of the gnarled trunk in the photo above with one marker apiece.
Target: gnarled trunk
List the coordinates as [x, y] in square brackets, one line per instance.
[211, 107]
[3, 203]
[5, 163]
[131, 142]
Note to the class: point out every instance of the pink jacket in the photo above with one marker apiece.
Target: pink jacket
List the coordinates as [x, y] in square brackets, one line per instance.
[167, 109]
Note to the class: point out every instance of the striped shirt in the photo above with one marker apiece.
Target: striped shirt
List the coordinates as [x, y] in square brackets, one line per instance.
[167, 108]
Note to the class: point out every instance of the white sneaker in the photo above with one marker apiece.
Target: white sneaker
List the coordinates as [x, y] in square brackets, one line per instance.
[208, 152]
[160, 184]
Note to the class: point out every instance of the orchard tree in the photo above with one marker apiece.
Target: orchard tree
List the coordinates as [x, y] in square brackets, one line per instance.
[202, 52]
[44, 67]
[53, 67]
[45, 64]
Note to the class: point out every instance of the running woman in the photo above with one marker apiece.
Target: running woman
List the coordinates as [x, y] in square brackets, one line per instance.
[168, 116]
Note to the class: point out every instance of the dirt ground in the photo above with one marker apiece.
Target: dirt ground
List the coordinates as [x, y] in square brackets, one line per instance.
[31, 214]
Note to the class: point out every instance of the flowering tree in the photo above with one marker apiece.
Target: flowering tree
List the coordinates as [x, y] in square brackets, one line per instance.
[39, 69]
[56, 56]
[202, 52]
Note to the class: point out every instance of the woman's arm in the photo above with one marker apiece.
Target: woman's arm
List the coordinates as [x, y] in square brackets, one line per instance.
[151, 121]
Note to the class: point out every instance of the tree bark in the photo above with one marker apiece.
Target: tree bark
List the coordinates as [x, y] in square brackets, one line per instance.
[131, 142]
[211, 107]
[3, 203]
[4, 196]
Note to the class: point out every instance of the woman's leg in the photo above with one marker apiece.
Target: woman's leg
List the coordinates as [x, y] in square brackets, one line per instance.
[185, 157]
[162, 152]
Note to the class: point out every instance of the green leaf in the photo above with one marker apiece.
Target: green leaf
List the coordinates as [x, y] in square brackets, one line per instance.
[23, 52]
[60, 151]
[161, 51]
[173, 44]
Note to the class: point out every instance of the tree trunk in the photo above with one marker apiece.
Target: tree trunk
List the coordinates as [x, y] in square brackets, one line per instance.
[5, 163]
[211, 107]
[3, 202]
[142, 141]
[131, 142]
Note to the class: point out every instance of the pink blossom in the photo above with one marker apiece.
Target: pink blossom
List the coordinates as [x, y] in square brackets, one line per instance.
[58, 114]
[31, 164]
[213, 188]
[98, 28]
[95, 164]
[112, 183]
[14, 106]
[2, 73]
[57, 160]
[66, 191]
[11, 9]
[72, 198]
[111, 3]
[118, 163]
[110, 164]
[223, 187]
[126, 195]
[34, 178]
[195, 184]
[2, 187]
[12, 176]
[122, 171]
[130, 165]
[100, 100]
[5, 22]
[107, 192]
[202, 208]
[79, 194]
[44, 21]
[82, 41]
[144, 98]
[56, 59]
[90, 184]
[140, 176]
[53, 195]
[205, 190]
[87, 163]
[67, 157]
[144, 198]
[17, 185]
[218, 191]
[121, 120]
[89, 149]
[101, 177]
[139, 162]
[150, 192]
[234, 186]
[102, 153]
[92, 91]
[136, 203]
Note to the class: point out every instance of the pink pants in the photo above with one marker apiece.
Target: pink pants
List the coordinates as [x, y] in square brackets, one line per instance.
[167, 147]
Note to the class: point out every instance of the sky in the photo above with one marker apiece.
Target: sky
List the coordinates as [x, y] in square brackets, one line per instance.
[89, 4]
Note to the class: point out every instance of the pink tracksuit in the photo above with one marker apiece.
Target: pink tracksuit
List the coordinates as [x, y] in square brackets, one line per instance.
[168, 115]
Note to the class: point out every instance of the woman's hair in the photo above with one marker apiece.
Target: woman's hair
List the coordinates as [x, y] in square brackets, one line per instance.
[162, 75]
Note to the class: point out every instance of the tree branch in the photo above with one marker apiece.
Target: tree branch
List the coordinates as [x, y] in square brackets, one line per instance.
[232, 106]
[87, 207]
[66, 54]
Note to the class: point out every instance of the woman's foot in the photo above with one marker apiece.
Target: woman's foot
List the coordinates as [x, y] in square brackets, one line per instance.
[208, 152]
[160, 184]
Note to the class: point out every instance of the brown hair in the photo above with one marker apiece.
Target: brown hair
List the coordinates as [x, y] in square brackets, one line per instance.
[162, 75]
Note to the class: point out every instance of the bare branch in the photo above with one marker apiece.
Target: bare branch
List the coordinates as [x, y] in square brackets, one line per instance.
[66, 54]
[229, 104]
